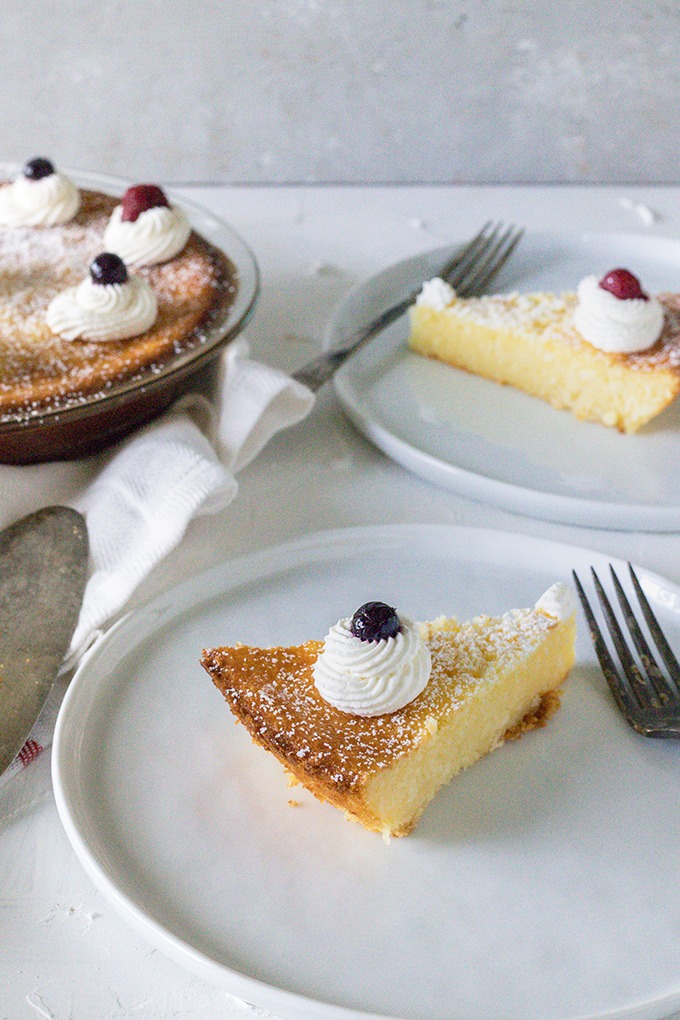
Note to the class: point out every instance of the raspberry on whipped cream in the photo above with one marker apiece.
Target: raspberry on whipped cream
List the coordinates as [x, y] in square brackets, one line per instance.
[611, 320]
[145, 229]
[39, 196]
[109, 304]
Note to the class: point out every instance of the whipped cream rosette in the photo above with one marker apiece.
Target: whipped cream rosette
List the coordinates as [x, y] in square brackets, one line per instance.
[145, 230]
[109, 304]
[615, 315]
[437, 294]
[378, 672]
[558, 601]
[39, 196]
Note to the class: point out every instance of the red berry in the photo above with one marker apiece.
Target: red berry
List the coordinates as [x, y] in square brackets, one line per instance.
[623, 285]
[139, 198]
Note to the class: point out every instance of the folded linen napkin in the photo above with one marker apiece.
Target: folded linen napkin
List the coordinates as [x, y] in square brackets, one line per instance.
[138, 508]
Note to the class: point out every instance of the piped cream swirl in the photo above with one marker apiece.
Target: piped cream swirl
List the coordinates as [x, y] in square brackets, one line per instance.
[436, 294]
[103, 312]
[46, 202]
[558, 601]
[157, 235]
[370, 678]
[614, 324]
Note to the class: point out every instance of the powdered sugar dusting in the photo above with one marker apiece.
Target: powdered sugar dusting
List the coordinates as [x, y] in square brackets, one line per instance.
[546, 316]
[39, 371]
[273, 692]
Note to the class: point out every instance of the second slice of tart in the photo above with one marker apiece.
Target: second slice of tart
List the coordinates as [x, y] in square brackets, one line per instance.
[530, 341]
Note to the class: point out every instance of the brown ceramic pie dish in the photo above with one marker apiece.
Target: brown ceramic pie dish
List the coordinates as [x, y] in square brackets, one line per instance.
[63, 399]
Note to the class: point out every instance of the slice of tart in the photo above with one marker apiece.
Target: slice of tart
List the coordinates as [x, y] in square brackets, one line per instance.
[607, 352]
[489, 679]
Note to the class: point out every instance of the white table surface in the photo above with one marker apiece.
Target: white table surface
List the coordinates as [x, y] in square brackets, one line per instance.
[64, 953]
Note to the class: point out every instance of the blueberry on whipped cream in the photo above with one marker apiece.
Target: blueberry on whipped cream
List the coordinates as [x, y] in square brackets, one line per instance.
[374, 621]
[616, 315]
[373, 663]
[39, 196]
[145, 229]
[108, 268]
[109, 304]
[37, 168]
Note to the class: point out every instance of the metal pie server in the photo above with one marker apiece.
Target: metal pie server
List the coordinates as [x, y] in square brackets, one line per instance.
[43, 569]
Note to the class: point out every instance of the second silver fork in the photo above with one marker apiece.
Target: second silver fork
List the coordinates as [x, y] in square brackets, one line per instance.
[469, 272]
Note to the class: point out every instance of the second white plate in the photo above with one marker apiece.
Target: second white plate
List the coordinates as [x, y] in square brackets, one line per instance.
[493, 443]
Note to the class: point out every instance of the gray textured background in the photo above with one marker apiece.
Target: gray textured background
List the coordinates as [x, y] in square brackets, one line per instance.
[345, 90]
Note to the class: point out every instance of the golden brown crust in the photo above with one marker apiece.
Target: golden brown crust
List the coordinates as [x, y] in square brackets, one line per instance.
[271, 691]
[336, 755]
[537, 717]
[38, 370]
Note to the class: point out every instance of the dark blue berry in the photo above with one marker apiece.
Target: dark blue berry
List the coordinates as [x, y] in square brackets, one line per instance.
[374, 621]
[36, 169]
[108, 268]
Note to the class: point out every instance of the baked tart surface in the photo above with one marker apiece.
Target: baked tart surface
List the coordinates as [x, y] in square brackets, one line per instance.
[41, 372]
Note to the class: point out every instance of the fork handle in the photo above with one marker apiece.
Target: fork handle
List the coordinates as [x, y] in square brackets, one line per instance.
[318, 371]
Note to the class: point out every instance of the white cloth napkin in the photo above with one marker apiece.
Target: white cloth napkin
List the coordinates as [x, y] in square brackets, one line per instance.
[139, 506]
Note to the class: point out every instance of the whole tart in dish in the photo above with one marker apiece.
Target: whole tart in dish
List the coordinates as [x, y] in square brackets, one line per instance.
[376, 731]
[608, 352]
[61, 397]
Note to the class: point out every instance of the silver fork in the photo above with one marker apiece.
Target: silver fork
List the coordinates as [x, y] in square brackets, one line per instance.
[648, 696]
[470, 272]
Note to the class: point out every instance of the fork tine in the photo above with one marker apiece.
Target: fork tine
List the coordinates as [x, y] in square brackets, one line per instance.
[620, 690]
[471, 270]
[657, 680]
[630, 667]
[452, 271]
[469, 266]
[664, 648]
[486, 269]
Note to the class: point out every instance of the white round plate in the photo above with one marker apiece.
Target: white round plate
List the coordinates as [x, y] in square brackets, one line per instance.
[491, 442]
[543, 883]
